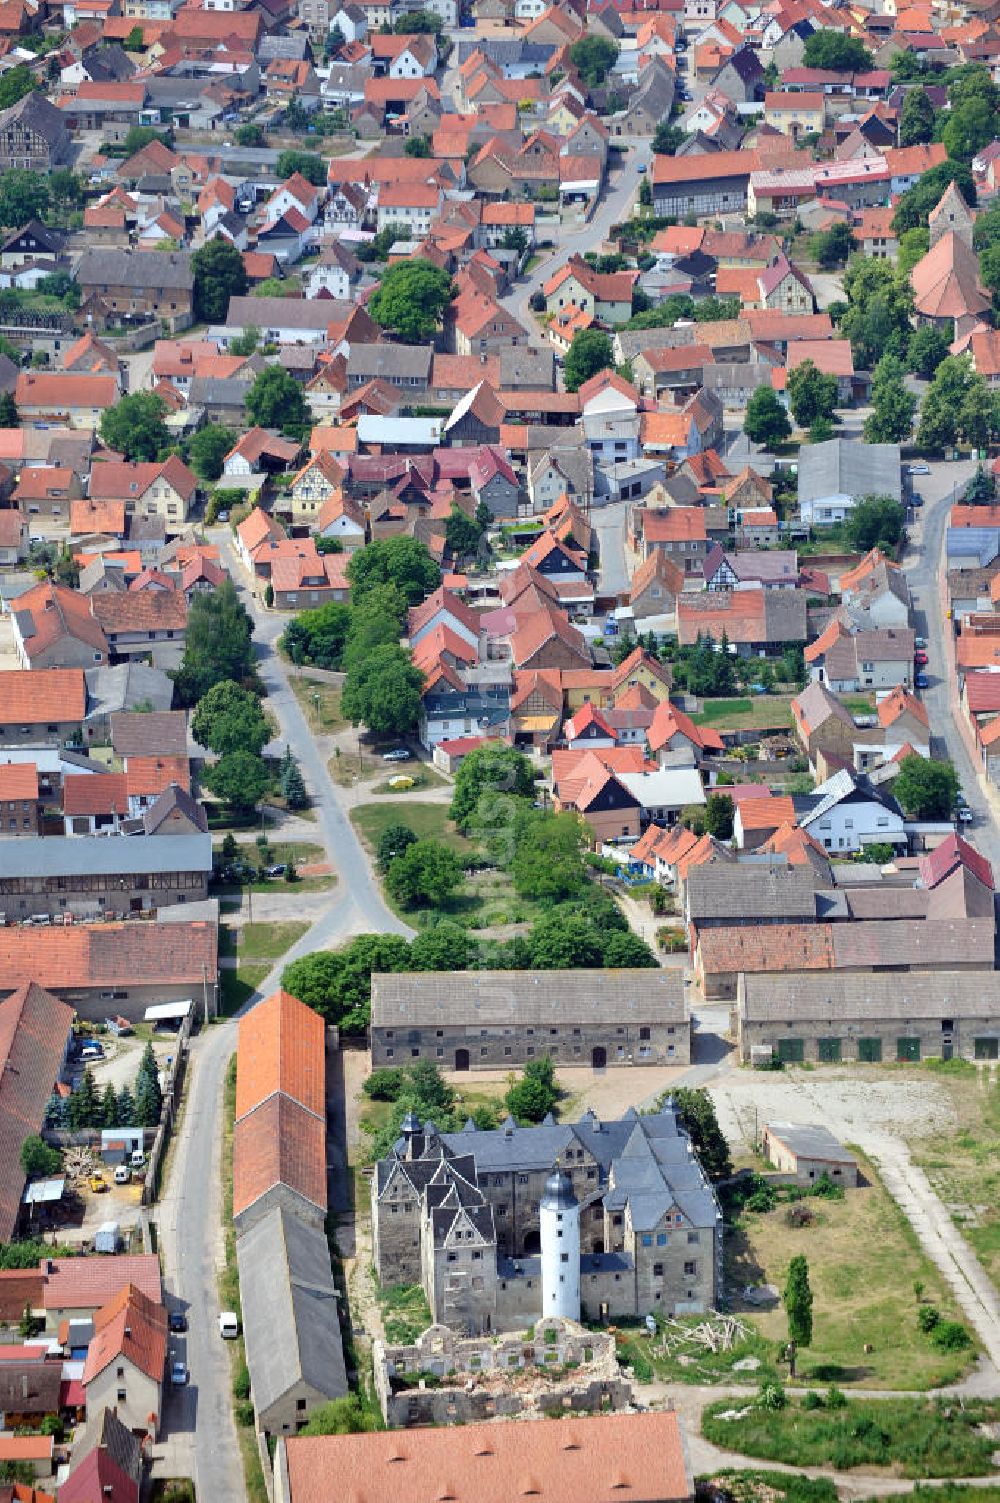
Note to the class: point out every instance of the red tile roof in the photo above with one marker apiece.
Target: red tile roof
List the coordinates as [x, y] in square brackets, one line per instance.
[55, 695]
[279, 1143]
[90, 1282]
[130, 1327]
[280, 1048]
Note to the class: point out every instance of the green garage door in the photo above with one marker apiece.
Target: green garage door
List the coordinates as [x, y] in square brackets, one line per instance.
[908, 1049]
[791, 1051]
[870, 1051]
[829, 1051]
[987, 1048]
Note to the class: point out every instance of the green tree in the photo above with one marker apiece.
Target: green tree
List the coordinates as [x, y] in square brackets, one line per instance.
[492, 768]
[219, 274]
[593, 57]
[276, 400]
[344, 1416]
[833, 247]
[337, 983]
[697, 1116]
[245, 344]
[291, 782]
[306, 163]
[766, 421]
[109, 1107]
[38, 1160]
[319, 637]
[425, 874]
[9, 415]
[531, 1098]
[927, 348]
[547, 862]
[981, 489]
[411, 299]
[373, 624]
[891, 418]
[915, 205]
[875, 522]
[141, 136]
[913, 246]
[627, 952]
[24, 195]
[836, 51]
[230, 718]
[250, 135]
[15, 83]
[925, 788]
[148, 1095]
[877, 320]
[442, 947]
[392, 842]
[589, 353]
[240, 778]
[84, 1104]
[559, 943]
[811, 394]
[798, 1302]
[126, 1108]
[916, 123]
[667, 138]
[418, 146]
[957, 405]
[383, 693]
[400, 561]
[969, 126]
[135, 427]
[719, 816]
[207, 450]
[462, 534]
[217, 644]
[416, 21]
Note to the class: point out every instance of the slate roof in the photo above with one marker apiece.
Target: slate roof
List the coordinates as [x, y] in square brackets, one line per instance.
[286, 1286]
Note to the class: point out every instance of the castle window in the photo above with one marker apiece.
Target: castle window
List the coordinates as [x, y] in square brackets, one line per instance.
[657, 1270]
[647, 1240]
[661, 1239]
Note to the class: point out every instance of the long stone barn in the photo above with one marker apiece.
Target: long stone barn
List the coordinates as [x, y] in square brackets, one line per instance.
[868, 1018]
[485, 1020]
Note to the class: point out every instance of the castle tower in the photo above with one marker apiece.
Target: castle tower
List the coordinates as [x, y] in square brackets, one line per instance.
[559, 1226]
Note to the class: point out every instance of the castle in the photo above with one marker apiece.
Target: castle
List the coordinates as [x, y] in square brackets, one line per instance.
[593, 1220]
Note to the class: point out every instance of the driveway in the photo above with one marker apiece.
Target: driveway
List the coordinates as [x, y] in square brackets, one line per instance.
[199, 1433]
[609, 524]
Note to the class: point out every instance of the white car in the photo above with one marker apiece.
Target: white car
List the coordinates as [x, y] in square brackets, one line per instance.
[178, 1374]
[400, 754]
[920, 469]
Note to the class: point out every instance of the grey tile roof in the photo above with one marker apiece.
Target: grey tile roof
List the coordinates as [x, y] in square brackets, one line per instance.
[114, 690]
[525, 997]
[111, 855]
[125, 268]
[751, 890]
[366, 361]
[836, 997]
[291, 1323]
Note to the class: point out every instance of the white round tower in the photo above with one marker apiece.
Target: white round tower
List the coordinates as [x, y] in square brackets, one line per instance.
[559, 1228]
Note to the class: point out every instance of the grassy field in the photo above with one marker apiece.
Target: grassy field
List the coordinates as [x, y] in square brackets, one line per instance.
[405, 1312]
[268, 941]
[760, 713]
[348, 767]
[320, 703]
[964, 1166]
[236, 986]
[912, 1437]
[425, 820]
[864, 1260]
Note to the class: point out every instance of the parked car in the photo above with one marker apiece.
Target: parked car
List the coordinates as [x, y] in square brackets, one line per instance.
[178, 1374]
[642, 167]
[399, 754]
[920, 658]
[229, 1325]
[123, 1174]
[920, 468]
[92, 1050]
[922, 681]
[920, 642]
[177, 1320]
[223, 516]
[916, 499]
[276, 871]
[964, 815]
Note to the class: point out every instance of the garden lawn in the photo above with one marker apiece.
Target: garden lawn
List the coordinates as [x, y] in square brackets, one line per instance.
[864, 1260]
[268, 941]
[762, 712]
[423, 775]
[320, 703]
[236, 987]
[912, 1437]
[427, 821]
[405, 1312]
[303, 853]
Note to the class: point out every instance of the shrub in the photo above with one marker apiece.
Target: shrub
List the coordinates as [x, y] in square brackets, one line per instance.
[927, 1318]
[771, 1396]
[384, 1085]
[812, 1400]
[241, 1382]
[835, 1399]
[243, 1409]
[951, 1336]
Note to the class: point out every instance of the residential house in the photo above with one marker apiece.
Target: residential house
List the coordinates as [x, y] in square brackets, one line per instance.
[34, 135]
[54, 627]
[47, 398]
[125, 1362]
[833, 475]
[880, 658]
[607, 296]
[107, 1463]
[849, 813]
[41, 711]
[150, 284]
[756, 622]
[823, 724]
[655, 586]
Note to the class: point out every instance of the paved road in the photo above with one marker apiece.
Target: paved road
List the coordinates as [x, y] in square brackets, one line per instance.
[924, 573]
[615, 205]
[199, 1430]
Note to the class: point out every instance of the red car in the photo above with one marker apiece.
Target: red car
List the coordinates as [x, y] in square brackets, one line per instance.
[920, 658]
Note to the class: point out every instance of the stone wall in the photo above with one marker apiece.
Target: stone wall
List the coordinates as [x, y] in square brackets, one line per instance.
[555, 1367]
